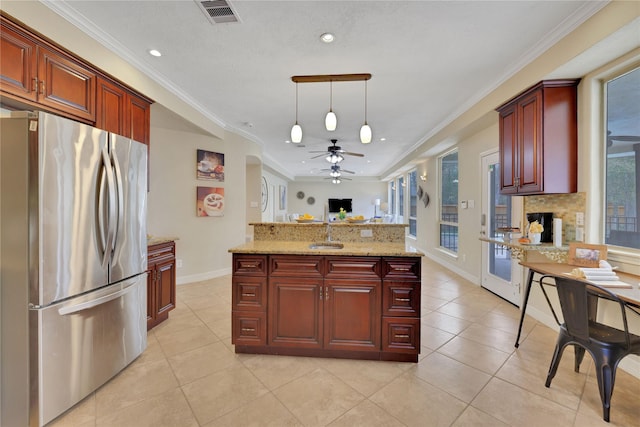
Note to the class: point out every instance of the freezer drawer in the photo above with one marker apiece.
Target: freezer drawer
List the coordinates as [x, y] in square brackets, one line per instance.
[84, 342]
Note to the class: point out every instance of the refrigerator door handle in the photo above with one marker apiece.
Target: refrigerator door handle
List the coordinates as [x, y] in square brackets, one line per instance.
[71, 309]
[120, 209]
[111, 207]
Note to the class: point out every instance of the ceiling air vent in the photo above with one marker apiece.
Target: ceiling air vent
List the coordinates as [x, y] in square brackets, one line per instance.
[218, 11]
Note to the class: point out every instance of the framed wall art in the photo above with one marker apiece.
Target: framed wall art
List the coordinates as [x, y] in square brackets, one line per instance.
[209, 201]
[210, 166]
[586, 255]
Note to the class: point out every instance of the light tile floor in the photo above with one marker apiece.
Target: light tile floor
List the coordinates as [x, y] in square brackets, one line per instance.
[469, 374]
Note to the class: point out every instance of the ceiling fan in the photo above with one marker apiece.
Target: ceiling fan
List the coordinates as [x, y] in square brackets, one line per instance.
[623, 138]
[336, 170]
[334, 153]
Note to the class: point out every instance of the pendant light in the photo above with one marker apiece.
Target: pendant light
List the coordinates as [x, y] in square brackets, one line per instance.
[296, 130]
[330, 121]
[365, 130]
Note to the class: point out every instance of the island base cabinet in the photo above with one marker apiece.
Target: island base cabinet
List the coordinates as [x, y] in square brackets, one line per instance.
[327, 306]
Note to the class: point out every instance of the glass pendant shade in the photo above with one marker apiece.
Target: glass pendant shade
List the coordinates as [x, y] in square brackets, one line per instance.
[335, 174]
[365, 133]
[296, 133]
[334, 158]
[336, 180]
[330, 121]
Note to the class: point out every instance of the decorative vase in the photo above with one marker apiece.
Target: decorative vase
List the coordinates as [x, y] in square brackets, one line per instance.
[535, 238]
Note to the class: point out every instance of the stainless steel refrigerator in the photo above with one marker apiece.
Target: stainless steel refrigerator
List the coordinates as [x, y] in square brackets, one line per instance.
[73, 262]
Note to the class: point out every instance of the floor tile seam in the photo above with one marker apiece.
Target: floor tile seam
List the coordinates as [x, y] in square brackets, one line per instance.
[497, 376]
[448, 393]
[275, 396]
[382, 409]
[492, 374]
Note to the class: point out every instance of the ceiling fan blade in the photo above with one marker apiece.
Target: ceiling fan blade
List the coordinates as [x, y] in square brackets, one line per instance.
[319, 155]
[347, 171]
[352, 154]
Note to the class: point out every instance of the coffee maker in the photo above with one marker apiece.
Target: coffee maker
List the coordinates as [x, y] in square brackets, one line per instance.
[546, 220]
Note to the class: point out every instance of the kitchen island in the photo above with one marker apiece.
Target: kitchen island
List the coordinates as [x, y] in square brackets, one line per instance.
[356, 298]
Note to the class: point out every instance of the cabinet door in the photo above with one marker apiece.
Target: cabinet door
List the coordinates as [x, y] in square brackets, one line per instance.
[352, 314]
[151, 298]
[18, 59]
[111, 108]
[138, 121]
[295, 312]
[65, 85]
[508, 150]
[165, 286]
[530, 143]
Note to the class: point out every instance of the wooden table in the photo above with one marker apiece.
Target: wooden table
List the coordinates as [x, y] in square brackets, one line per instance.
[628, 295]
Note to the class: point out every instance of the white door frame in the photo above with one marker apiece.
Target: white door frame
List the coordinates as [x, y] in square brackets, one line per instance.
[509, 290]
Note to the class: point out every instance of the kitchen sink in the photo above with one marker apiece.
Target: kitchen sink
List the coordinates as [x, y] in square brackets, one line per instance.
[326, 245]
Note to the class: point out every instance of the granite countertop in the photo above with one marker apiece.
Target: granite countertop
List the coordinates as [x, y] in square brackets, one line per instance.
[350, 248]
[156, 240]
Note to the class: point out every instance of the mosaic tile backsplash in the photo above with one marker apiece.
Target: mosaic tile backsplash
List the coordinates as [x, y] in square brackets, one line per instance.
[563, 206]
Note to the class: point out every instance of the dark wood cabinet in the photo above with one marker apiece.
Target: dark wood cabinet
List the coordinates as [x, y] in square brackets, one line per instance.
[325, 306]
[161, 282]
[37, 73]
[122, 112]
[538, 140]
[34, 72]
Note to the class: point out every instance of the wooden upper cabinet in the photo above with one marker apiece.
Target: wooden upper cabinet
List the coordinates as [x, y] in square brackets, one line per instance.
[18, 61]
[139, 119]
[66, 85]
[36, 73]
[111, 107]
[538, 140]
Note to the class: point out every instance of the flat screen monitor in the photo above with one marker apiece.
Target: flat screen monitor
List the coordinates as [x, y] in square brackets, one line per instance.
[336, 204]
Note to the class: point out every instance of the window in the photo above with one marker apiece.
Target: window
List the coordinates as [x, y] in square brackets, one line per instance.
[400, 188]
[413, 203]
[448, 169]
[622, 203]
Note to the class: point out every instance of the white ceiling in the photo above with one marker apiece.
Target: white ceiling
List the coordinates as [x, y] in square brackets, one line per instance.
[429, 60]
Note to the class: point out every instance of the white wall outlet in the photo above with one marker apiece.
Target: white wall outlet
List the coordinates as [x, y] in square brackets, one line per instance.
[463, 204]
[179, 263]
[366, 233]
[579, 218]
[471, 204]
[579, 234]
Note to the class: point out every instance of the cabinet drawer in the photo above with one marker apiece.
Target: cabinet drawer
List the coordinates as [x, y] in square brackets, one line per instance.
[249, 293]
[348, 267]
[160, 251]
[255, 265]
[400, 298]
[401, 334]
[296, 266]
[406, 268]
[248, 328]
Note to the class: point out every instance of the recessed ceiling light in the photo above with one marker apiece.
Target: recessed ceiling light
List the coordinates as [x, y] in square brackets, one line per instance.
[327, 37]
[288, 141]
[383, 139]
[154, 52]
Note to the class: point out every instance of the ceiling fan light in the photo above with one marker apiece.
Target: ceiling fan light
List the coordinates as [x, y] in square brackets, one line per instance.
[336, 180]
[365, 133]
[296, 133]
[335, 173]
[334, 158]
[330, 121]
